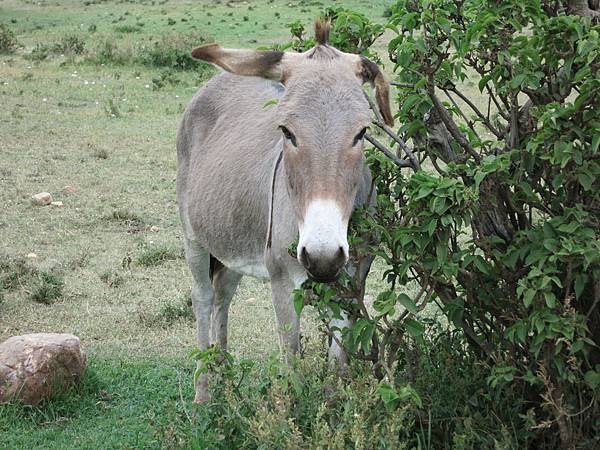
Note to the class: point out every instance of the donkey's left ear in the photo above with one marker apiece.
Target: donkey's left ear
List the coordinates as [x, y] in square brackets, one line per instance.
[265, 64]
[370, 72]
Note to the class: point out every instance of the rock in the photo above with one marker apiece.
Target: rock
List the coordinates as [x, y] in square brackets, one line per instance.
[56, 203]
[41, 199]
[36, 366]
[69, 189]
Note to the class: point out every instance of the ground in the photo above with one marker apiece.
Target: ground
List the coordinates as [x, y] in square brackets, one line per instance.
[108, 129]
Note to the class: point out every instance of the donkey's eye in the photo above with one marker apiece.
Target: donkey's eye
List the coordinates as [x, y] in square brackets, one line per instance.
[288, 135]
[359, 137]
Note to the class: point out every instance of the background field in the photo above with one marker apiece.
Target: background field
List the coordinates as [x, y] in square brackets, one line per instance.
[104, 121]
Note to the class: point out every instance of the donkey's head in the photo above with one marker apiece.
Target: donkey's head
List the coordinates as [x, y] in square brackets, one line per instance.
[323, 116]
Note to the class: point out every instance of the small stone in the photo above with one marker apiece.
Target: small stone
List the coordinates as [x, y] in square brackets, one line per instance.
[31, 256]
[56, 203]
[36, 366]
[41, 199]
[69, 189]
[154, 228]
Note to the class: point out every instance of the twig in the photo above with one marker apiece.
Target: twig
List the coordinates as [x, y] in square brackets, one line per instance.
[479, 114]
[451, 126]
[381, 124]
[387, 152]
[402, 85]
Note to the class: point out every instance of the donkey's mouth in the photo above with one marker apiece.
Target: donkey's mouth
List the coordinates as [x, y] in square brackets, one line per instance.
[324, 278]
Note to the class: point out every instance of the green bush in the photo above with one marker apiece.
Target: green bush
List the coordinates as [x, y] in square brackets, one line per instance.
[156, 255]
[310, 407]
[171, 51]
[493, 213]
[8, 41]
[46, 288]
[69, 45]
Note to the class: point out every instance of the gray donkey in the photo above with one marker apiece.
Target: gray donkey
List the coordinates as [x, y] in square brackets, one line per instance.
[252, 178]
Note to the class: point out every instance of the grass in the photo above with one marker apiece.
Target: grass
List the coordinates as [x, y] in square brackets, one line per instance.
[107, 127]
[131, 402]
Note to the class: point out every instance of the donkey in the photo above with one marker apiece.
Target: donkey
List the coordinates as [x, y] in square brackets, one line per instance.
[251, 178]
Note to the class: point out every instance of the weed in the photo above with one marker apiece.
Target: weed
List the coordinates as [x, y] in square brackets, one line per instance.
[127, 218]
[155, 256]
[46, 288]
[69, 45]
[170, 312]
[8, 41]
[15, 272]
[112, 108]
[127, 29]
[99, 153]
[39, 53]
[112, 279]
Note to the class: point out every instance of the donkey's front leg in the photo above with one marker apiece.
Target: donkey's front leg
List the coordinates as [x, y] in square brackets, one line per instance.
[288, 322]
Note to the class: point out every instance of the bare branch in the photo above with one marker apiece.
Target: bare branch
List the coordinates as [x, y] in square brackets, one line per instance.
[381, 124]
[451, 126]
[387, 152]
[479, 114]
[402, 85]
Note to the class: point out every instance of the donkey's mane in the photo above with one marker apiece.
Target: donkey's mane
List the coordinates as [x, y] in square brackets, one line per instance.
[323, 50]
[322, 28]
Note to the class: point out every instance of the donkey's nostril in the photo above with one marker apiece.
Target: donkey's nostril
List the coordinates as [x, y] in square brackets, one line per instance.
[304, 259]
[341, 256]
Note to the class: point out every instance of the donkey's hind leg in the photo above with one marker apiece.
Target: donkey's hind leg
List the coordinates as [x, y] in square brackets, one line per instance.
[198, 260]
[225, 282]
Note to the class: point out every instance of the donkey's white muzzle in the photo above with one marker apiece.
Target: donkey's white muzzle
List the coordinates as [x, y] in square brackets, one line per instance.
[323, 243]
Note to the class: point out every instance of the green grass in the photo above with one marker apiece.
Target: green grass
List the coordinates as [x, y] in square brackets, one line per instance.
[107, 127]
[131, 402]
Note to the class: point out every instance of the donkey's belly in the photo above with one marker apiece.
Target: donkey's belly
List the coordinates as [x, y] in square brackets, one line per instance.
[252, 267]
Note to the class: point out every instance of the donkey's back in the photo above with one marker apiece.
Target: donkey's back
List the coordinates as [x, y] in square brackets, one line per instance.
[225, 154]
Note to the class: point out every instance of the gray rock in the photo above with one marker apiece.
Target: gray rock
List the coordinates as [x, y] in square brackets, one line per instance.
[36, 366]
[41, 199]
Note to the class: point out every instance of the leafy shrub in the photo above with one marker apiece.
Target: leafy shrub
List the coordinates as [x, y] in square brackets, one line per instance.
[492, 211]
[127, 29]
[69, 45]
[46, 288]
[310, 407]
[112, 279]
[170, 51]
[156, 255]
[8, 41]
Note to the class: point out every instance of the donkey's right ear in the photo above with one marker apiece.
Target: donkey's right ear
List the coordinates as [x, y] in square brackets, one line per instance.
[266, 64]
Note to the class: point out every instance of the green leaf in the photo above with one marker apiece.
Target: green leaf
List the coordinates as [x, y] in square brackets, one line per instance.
[580, 280]
[414, 328]
[592, 378]
[528, 297]
[388, 394]
[408, 303]
[298, 301]
[550, 299]
[271, 102]
[595, 142]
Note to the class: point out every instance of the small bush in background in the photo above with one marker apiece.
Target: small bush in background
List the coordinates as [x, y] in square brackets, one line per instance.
[8, 41]
[46, 288]
[157, 255]
[69, 45]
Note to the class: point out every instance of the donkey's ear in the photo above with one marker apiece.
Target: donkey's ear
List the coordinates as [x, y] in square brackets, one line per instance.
[266, 64]
[370, 72]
